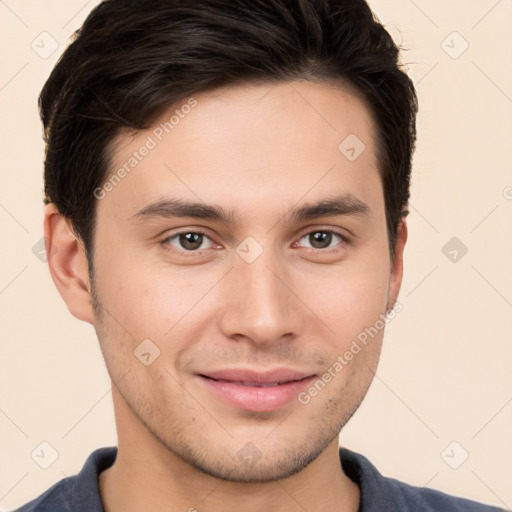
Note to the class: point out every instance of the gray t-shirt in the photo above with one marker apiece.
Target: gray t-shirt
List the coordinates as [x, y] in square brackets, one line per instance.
[81, 493]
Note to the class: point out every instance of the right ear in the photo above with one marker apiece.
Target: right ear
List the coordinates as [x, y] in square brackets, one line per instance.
[68, 264]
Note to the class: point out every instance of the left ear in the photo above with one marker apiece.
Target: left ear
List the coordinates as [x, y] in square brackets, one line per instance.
[397, 265]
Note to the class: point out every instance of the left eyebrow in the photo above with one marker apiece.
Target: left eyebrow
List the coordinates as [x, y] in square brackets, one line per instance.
[346, 204]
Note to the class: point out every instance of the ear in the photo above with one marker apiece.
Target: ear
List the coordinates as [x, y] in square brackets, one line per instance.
[397, 265]
[68, 264]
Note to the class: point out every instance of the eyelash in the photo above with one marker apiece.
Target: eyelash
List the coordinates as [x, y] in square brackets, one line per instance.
[165, 242]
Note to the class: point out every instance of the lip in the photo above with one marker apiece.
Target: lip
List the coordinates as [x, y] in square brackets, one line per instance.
[251, 390]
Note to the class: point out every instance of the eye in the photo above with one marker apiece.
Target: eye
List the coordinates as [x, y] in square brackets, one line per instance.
[196, 241]
[188, 241]
[322, 239]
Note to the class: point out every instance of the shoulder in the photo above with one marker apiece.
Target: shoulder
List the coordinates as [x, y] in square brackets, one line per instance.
[422, 498]
[380, 493]
[75, 493]
[54, 499]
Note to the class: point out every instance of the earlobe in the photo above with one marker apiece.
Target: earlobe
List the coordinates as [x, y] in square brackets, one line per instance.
[397, 264]
[68, 264]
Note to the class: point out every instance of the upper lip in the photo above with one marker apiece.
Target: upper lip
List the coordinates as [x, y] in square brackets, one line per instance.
[276, 375]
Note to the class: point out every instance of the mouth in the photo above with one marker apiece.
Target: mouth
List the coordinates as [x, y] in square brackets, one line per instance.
[256, 391]
[252, 384]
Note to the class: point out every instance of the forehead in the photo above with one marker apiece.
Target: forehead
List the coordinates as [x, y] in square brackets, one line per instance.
[244, 145]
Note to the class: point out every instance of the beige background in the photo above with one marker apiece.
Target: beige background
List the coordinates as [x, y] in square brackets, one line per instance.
[445, 373]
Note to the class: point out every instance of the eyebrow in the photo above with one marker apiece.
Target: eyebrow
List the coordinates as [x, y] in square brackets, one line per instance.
[346, 204]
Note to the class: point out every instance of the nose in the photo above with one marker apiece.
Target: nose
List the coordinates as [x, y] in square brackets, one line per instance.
[260, 304]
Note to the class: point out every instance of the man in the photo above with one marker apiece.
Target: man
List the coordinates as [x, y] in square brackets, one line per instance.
[227, 186]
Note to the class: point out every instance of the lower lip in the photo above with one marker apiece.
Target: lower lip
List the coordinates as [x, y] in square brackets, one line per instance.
[254, 398]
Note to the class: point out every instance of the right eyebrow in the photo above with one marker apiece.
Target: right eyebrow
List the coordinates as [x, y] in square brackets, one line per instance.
[168, 208]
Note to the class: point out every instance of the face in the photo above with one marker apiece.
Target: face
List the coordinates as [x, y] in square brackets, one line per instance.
[236, 260]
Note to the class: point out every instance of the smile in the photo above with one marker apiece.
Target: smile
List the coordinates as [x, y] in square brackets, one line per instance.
[258, 392]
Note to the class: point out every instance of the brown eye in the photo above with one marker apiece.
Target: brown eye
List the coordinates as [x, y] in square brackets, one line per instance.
[187, 241]
[190, 241]
[322, 239]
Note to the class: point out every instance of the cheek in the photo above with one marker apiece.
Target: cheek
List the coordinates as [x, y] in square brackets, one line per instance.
[146, 298]
[348, 298]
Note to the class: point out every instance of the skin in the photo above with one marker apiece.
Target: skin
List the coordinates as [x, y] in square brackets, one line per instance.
[261, 151]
